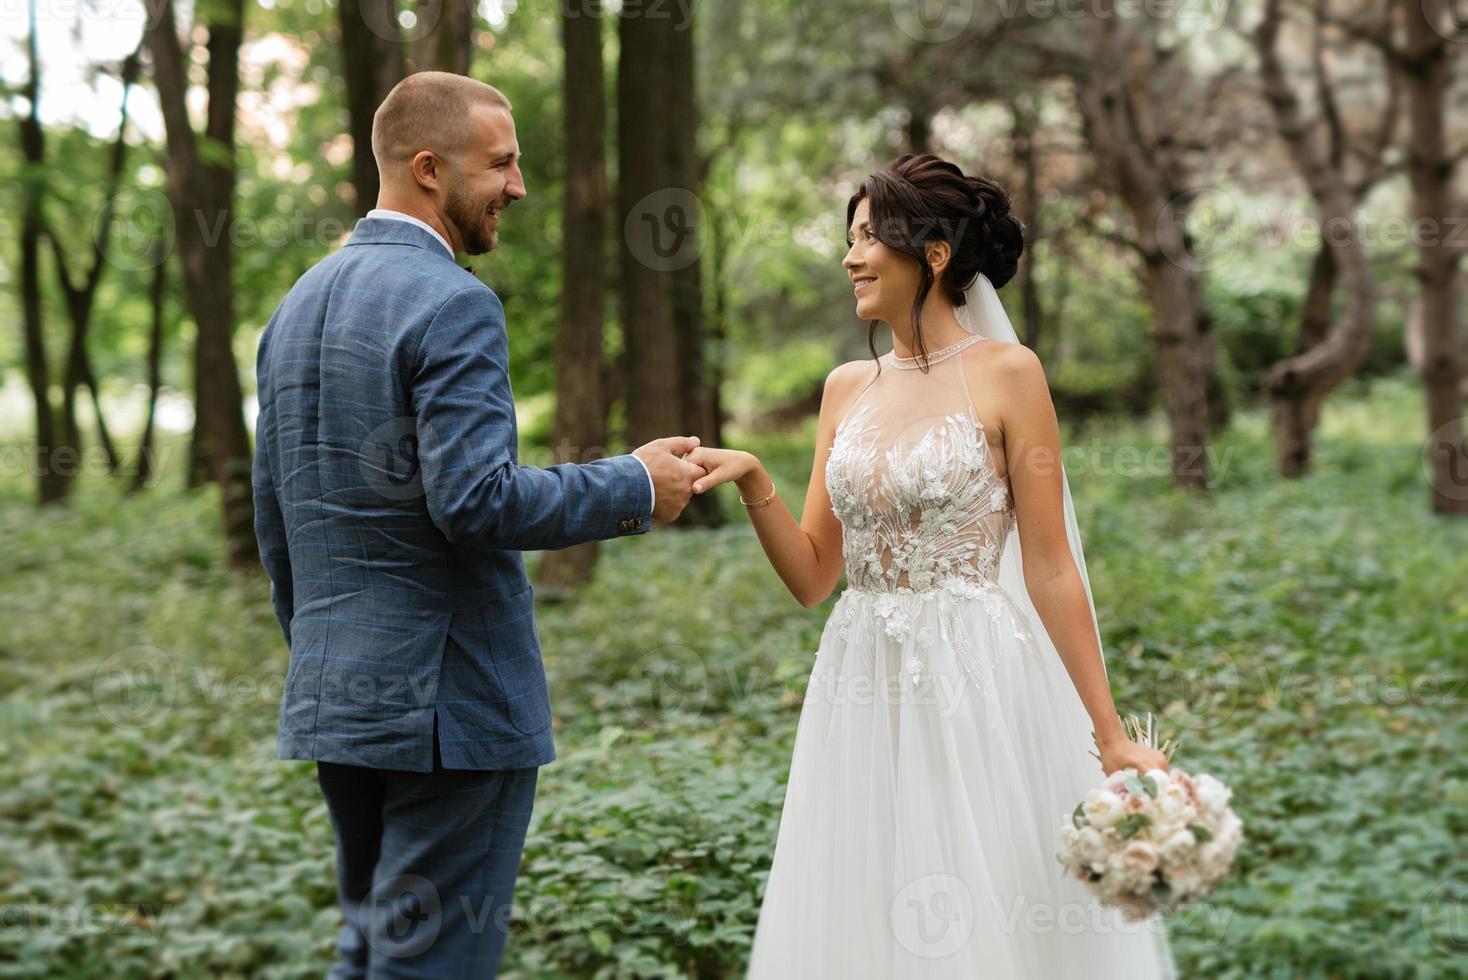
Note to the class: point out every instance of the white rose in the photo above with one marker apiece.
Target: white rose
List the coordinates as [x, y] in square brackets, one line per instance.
[1139, 857]
[1213, 794]
[1102, 807]
[1231, 828]
[1177, 846]
[1173, 804]
[1091, 845]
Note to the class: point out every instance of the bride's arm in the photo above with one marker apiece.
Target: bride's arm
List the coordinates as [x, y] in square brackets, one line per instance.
[1032, 453]
[806, 555]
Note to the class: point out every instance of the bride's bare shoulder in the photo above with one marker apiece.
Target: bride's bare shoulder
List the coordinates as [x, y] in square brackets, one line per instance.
[847, 379]
[1003, 378]
[1003, 363]
[845, 382]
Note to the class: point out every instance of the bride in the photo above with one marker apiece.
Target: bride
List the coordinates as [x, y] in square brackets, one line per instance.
[959, 682]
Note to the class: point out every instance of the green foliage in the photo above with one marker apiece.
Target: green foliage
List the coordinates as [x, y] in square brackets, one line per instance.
[1302, 637]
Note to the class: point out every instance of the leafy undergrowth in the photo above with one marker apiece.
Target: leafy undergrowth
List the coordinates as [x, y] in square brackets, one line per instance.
[1305, 638]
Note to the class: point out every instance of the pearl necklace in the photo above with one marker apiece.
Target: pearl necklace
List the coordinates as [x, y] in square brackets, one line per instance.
[937, 355]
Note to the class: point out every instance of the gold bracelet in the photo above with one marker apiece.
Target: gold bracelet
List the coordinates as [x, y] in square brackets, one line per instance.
[757, 504]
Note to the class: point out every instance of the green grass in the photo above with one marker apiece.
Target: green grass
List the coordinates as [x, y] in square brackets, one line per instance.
[1307, 639]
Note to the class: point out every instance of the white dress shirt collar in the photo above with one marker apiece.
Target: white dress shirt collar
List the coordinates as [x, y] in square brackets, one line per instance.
[400, 216]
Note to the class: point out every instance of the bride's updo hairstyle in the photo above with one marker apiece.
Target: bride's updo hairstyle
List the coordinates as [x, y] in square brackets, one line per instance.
[921, 198]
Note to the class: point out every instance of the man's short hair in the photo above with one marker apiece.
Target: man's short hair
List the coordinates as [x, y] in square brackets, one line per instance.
[427, 111]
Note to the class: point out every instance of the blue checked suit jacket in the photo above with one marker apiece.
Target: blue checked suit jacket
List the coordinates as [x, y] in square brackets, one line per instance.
[391, 513]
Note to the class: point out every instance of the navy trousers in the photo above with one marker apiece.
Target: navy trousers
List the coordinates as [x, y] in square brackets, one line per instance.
[425, 865]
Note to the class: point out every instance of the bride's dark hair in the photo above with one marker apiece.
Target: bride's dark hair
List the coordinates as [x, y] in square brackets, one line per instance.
[921, 198]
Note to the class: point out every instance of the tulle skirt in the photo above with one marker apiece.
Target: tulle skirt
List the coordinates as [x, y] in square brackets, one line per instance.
[938, 752]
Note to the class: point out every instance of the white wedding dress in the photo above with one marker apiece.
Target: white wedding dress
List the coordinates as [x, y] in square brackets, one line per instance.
[942, 743]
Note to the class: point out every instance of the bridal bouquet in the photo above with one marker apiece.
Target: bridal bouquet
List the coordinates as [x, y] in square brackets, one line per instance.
[1149, 842]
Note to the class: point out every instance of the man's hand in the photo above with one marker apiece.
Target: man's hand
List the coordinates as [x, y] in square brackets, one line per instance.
[672, 476]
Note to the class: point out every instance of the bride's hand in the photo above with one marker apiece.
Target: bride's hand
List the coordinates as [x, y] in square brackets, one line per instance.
[1123, 752]
[724, 466]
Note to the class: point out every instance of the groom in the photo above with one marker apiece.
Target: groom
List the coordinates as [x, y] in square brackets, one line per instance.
[391, 514]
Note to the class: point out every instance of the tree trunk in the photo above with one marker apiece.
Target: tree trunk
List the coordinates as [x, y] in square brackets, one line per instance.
[581, 426]
[372, 63]
[104, 437]
[51, 469]
[653, 225]
[1298, 384]
[144, 471]
[1182, 367]
[202, 195]
[1023, 135]
[1315, 312]
[686, 281]
[1430, 167]
[80, 299]
[919, 126]
[1147, 176]
[447, 43]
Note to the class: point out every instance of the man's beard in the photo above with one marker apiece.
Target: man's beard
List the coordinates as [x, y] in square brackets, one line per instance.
[468, 216]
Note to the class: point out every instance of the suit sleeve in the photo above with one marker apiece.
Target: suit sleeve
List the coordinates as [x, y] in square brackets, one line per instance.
[468, 447]
[270, 533]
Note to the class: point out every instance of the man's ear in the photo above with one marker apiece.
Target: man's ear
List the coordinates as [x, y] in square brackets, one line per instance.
[939, 253]
[426, 169]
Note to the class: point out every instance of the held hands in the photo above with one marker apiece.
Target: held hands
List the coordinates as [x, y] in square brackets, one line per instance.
[672, 474]
[730, 466]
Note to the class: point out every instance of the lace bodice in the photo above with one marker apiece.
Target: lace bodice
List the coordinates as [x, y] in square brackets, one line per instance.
[910, 477]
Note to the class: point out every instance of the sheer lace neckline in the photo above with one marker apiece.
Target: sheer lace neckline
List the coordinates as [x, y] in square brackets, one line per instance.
[916, 361]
